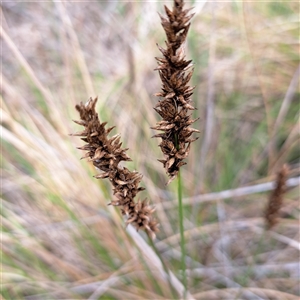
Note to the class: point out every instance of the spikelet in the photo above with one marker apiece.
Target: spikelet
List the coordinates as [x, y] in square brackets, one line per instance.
[276, 198]
[106, 154]
[175, 98]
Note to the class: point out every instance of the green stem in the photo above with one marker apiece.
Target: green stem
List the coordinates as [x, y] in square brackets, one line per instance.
[182, 241]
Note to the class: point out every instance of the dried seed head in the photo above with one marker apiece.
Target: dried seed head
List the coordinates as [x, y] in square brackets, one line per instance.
[276, 198]
[175, 102]
[106, 153]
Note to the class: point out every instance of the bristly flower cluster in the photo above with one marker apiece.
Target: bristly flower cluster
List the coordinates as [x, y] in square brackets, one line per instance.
[106, 154]
[276, 198]
[175, 102]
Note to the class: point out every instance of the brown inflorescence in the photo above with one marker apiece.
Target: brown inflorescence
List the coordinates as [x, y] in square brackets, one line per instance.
[175, 98]
[276, 198]
[106, 154]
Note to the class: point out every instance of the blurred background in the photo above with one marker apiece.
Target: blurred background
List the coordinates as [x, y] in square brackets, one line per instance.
[60, 240]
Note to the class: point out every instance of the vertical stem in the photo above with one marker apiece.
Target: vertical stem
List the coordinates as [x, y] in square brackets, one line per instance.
[182, 241]
[181, 228]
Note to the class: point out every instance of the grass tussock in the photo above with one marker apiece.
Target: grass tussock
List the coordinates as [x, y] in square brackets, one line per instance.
[60, 239]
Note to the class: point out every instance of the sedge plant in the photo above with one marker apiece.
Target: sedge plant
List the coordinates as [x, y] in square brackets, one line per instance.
[175, 105]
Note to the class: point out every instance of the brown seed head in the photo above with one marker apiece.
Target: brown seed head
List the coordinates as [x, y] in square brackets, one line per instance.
[175, 98]
[106, 154]
[276, 198]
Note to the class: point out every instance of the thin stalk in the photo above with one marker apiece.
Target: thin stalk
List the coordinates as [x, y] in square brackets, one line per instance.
[182, 241]
[181, 228]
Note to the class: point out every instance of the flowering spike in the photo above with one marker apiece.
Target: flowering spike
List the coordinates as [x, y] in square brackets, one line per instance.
[106, 154]
[175, 103]
[276, 198]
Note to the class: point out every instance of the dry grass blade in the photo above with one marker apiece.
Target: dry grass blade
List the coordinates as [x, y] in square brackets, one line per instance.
[210, 229]
[287, 100]
[78, 52]
[238, 292]
[286, 240]
[210, 103]
[155, 260]
[234, 193]
[45, 92]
